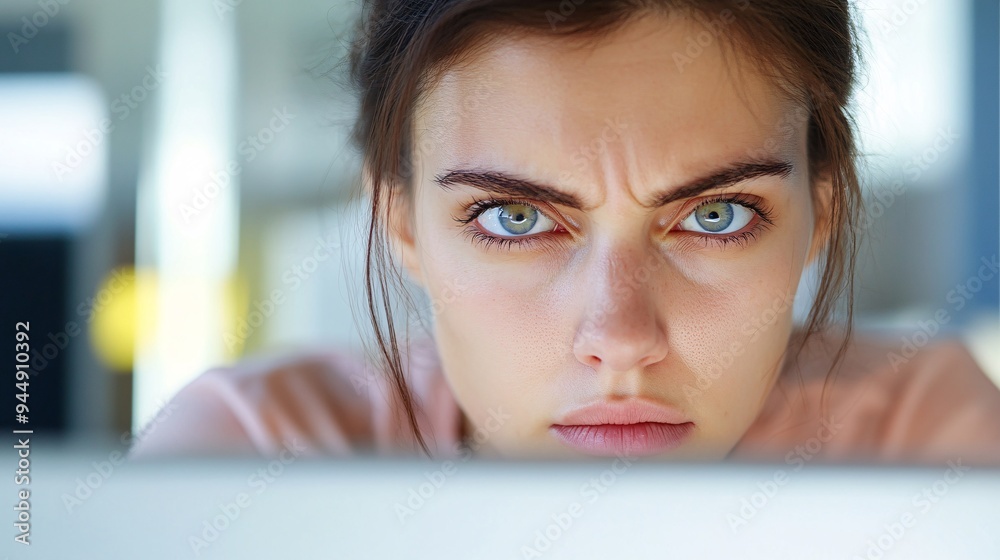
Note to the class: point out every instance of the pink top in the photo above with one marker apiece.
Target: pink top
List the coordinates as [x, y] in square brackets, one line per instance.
[935, 407]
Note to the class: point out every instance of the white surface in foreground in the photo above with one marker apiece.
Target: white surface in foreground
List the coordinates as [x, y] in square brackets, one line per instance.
[347, 509]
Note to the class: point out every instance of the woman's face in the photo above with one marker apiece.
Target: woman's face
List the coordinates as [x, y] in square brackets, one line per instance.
[611, 238]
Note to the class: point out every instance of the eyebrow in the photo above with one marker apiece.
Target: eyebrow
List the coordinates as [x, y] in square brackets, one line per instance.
[504, 184]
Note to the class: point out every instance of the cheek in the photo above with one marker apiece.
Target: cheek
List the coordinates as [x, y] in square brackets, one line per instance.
[494, 338]
[730, 370]
[731, 336]
[492, 316]
[734, 341]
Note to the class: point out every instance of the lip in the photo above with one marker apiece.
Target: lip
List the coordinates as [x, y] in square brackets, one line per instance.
[634, 427]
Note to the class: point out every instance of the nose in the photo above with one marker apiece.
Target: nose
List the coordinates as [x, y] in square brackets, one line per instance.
[622, 328]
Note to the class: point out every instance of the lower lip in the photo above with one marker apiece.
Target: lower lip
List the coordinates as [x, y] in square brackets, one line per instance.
[645, 438]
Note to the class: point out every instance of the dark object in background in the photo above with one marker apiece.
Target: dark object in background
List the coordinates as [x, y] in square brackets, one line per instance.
[33, 289]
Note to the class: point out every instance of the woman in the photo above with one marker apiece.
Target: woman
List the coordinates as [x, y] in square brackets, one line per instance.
[609, 205]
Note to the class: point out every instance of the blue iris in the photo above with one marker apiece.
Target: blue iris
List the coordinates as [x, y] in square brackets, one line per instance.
[517, 218]
[715, 217]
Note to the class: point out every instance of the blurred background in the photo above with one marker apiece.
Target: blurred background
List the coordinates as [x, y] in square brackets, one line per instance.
[175, 187]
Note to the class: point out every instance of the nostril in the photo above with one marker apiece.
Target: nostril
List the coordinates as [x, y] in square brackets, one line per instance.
[649, 360]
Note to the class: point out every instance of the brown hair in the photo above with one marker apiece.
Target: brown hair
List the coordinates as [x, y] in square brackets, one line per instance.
[809, 47]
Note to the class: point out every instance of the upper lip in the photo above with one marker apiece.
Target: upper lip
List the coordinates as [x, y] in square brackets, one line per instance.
[629, 411]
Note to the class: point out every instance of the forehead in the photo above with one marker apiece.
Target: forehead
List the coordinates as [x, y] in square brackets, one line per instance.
[640, 106]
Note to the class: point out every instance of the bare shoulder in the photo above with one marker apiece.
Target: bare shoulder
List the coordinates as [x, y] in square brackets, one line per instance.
[306, 402]
[318, 402]
[900, 363]
[890, 397]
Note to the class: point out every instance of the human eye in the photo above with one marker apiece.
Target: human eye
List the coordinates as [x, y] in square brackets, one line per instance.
[727, 219]
[505, 223]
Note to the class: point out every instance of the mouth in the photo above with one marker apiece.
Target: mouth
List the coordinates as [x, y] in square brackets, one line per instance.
[631, 428]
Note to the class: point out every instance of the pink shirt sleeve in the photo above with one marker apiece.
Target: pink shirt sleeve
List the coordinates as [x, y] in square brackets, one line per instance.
[324, 403]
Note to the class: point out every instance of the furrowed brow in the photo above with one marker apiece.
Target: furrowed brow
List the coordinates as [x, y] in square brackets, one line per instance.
[503, 184]
[506, 185]
[725, 177]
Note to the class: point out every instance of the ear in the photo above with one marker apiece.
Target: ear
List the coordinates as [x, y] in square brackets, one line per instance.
[822, 223]
[400, 229]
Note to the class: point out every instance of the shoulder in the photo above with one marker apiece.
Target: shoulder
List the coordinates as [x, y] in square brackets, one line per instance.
[889, 398]
[321, 402]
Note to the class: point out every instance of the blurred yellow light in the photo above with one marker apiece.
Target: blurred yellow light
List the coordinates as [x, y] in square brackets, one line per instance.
[113, 327]
[124, 315]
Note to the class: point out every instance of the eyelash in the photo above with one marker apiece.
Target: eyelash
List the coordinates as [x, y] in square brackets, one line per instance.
[474, 210]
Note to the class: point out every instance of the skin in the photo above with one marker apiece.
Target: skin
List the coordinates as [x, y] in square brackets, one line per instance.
[617, 302]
